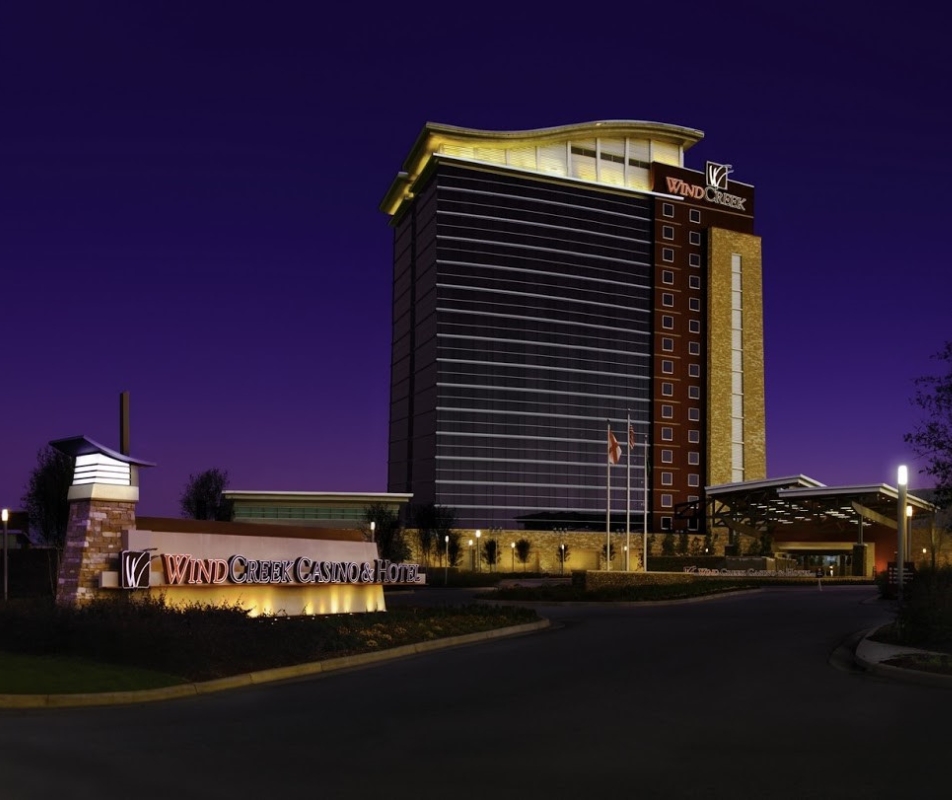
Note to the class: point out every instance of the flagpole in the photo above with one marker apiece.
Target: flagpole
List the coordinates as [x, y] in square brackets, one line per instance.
[644, 516]
[628, 505]
[608, 500]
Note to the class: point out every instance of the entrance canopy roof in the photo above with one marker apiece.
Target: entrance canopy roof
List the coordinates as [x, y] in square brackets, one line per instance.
[753, 507]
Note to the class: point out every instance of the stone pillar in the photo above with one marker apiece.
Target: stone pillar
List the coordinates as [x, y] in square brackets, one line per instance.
[93, 542]
[864, 560]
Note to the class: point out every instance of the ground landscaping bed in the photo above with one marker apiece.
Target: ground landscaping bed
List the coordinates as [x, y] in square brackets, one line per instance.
[201, 643]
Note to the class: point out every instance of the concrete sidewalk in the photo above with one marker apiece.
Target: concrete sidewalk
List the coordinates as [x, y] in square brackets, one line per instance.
[871, 656]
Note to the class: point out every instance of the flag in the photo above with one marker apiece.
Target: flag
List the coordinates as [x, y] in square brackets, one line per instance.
[614, 449]
[631, 437]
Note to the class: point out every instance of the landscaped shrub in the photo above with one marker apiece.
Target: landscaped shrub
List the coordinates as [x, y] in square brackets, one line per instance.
[926, 614]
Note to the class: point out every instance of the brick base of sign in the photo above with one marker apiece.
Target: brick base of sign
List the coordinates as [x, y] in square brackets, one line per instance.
[93, 543]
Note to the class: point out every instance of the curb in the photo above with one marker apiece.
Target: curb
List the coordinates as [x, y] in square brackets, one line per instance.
[262, 676]
[622, 603]
[902, 674]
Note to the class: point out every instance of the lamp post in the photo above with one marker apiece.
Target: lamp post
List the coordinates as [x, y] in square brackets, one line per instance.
[561, 559]
[373, 534]
[446, 567]
[901, 479]
[479, 566]
[513, 548]
[5, 514]
[472, 561]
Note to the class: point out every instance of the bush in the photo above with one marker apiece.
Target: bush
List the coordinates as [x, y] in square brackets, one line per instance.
[926, 614]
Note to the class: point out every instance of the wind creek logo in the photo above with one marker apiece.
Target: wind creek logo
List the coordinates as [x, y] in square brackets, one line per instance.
[717, 175]
[135, 569]
[716, 190]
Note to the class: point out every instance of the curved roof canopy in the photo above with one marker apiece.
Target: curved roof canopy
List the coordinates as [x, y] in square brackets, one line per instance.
[84, 446]
[634, 141]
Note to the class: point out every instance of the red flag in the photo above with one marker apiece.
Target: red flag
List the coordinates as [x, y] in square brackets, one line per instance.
[614, 449]
[631, 437]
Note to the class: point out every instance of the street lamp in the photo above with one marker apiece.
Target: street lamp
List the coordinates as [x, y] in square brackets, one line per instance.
[562, 559]
[901, 479]
[513, 548]
[446, 568]
[479, 566]
[472, 560]
[373, 528]
[5, 515]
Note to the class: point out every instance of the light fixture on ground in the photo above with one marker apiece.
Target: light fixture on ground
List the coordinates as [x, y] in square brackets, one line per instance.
[479, 566]
[446, 566]
[513, 548]
[5, 514]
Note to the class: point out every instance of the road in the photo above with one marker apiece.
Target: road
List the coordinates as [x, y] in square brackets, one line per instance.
[734, 697]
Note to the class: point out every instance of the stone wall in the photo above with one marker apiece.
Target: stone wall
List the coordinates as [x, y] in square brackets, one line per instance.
[584, 550]
[93, 543]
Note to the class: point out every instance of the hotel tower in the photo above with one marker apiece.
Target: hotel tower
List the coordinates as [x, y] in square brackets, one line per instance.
[549, 283]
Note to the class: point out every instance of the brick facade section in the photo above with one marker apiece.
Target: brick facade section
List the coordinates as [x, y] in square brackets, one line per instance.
[93, 542]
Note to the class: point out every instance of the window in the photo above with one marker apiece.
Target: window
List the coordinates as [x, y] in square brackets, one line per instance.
[694, 281]
[667, 209]
[667, 478]
[667, 501]
[694, 303]
[666, 523]
[694, 414]
[667, 231]
[667, 456]
[693, 498]
[694, 325]
[667, 322]
[694, 437]
[667, 367]
[694, 348]
[694, 259]
[667, 389]
[692, 525]
[667, 299]
[667, 411]
[694, 392]
[693, 479]
[667, 344]
[694, 458]
[695, 215]
[694, 370]
[667, 276]
[695, 237]
[667, 434]
[667, 254]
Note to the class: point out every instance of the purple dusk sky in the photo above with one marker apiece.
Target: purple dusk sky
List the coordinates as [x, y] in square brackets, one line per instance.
[190, 191]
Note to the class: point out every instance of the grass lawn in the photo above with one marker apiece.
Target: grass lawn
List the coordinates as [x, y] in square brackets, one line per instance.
[26, 674]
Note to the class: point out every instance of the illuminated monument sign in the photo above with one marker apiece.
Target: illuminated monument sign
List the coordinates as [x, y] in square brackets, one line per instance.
[184, 570]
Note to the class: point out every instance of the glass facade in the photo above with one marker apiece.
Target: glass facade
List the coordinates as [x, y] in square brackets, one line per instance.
[522, 323]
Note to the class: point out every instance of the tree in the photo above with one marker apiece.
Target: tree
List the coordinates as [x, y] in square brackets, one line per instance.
[523, 548]
[683, 543]
[932, 438]
[45, 496]
[667, 544]
[433, 523]
[610, 550]
[388, 532]
[564, 554]
[490, 553]
[202, 497]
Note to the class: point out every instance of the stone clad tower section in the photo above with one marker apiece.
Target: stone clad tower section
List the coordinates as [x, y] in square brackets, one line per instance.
[102, 505]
